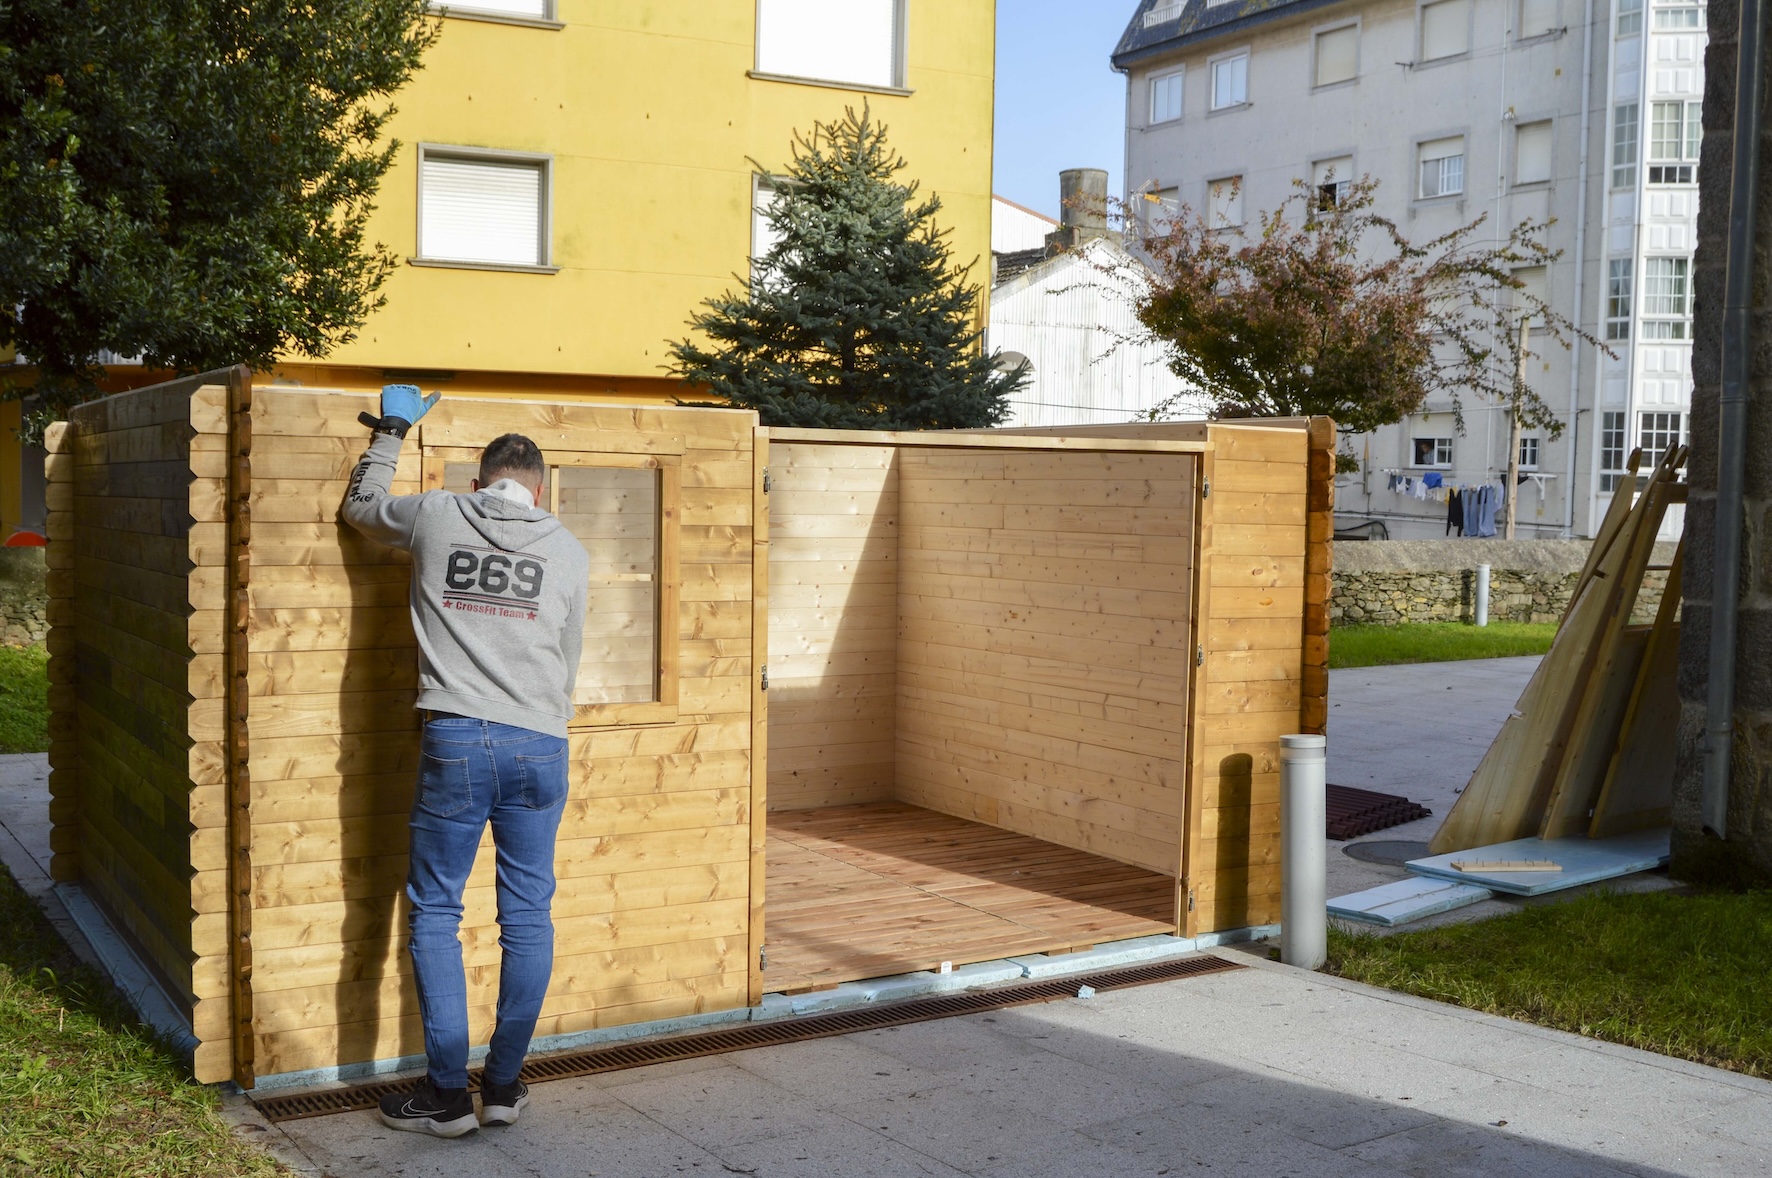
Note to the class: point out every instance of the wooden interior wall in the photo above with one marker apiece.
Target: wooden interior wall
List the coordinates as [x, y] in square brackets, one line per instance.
[833, 623]
[653, 908]
[1043, 654]
[137, 486]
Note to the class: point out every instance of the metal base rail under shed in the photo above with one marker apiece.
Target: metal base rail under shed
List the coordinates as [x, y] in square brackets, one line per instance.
[621, 1056]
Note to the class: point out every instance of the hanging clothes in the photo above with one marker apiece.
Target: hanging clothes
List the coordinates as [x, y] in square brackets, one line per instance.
[1432, 479]
[1454, 513]
[1469, 499]
[1487, 500]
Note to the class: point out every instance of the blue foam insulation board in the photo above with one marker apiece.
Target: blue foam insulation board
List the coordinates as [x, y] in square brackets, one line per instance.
[1583, 861]
[1406, 900]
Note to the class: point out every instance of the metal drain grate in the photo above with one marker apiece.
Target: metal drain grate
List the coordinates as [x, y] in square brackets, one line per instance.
[744, 1036]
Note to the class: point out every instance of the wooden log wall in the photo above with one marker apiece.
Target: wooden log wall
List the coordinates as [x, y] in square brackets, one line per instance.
[137, 540]
[833, 623]
[1043, 658]
[654, 903]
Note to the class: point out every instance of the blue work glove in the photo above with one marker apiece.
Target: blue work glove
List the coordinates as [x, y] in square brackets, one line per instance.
[401, 406]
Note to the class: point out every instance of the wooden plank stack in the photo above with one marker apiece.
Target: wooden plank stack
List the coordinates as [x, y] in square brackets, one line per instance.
[1587, 748]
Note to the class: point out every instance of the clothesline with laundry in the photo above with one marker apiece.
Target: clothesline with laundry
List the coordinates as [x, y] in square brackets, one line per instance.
[1470, 508]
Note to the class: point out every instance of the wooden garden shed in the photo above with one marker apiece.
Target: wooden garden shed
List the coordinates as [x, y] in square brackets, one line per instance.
[851, 704]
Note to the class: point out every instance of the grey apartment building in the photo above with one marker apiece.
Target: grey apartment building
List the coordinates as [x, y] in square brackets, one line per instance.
[1581, 111]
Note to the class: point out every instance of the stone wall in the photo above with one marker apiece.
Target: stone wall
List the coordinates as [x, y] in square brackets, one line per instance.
[24, 598]
[1390, 582]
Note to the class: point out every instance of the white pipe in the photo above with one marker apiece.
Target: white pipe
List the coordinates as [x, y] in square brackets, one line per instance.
[1304, 916]
[1572, 448]
[1481, 594]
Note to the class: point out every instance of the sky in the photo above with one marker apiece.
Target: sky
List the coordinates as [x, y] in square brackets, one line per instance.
[1059, 104]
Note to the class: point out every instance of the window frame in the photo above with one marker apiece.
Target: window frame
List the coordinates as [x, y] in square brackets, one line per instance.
[1659, 431]
[1523, 38]
[1633, 14]
[899, 86]
[1635, 145]
[550, 18]
[1317, 35]
[1179, 73]
[1212, 64]
[1340, 184]
[490, 155]
[1550, 162]
[1677, 325]
[665, 455]
[1236, 180]
[1440, 445]
[1682, 167]
[1463, 156]
[1614, 433]
[1422, 61]
[1621, 281]
[1531, 441]
[1684, 7]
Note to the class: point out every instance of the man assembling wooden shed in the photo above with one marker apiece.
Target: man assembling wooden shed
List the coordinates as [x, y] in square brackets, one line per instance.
[498, 604]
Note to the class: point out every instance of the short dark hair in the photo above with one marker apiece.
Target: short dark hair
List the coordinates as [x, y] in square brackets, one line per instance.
[511, 455]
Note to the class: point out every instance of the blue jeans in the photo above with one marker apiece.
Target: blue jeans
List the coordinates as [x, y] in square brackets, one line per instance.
[472, 771]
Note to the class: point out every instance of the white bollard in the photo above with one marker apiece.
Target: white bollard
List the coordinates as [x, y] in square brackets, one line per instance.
[1304, 933]
[1482, 595]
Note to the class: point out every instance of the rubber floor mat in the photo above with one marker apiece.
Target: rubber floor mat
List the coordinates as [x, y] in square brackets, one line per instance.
[1354, 812]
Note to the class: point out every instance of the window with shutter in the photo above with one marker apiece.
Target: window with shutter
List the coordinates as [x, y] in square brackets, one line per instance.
[1537, 17]
[533, 9]
[479, 208]
[843, 41]
[1445, 29]
[1166, 97]
[1224, 202]
[1331, 180]
[1338, 55]
[1534, 290]
[1532, 153]
[1442, 167]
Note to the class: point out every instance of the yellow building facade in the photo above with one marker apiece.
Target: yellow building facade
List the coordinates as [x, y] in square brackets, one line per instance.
[644, 126]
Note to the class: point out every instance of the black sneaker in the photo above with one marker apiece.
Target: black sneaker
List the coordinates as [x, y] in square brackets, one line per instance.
[500, 1103]
[441, 1112]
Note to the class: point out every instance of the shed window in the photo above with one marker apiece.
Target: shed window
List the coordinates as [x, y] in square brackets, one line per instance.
[1445, 29]
[1338, 55]
[482, 209]
[1532, 153]
[623, 509]
[843, 41]
[1537, 17]
[1166, 97]
[1442, 167]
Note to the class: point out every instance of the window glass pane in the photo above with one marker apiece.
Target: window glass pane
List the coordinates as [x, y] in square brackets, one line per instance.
[1694, 128]
[1442, 167]
[833, 40]
[1630, 17]
[1230, 81]
[1338, 54]
[480, 211]
[1679, 18]
[1532, 153]
[538, 9]
[1618, 299]
[614, 514]
[1529, 453]
[1666, 122]
[1657, 433]
[1445, 29]
[1537, 17]
[1331, 179]
[1166, 97]
[1624, 145]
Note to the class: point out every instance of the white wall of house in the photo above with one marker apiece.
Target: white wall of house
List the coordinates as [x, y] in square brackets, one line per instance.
[1460, 109]
[1071, 318]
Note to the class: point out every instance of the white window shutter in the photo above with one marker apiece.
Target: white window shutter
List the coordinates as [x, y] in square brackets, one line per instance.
[535, 9]
[1445, 29]
[1338, 53]
[829, 40]
[1339, 170]
[1537, 17]
[479, 210]
[1532, 153]
[1225, 202]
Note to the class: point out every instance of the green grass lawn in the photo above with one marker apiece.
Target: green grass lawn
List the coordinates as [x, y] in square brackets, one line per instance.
[1435, 642]
[1683, 975]
[84, 1089]
[24, 699]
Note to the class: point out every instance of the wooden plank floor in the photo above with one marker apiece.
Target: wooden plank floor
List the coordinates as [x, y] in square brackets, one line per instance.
[864, 891]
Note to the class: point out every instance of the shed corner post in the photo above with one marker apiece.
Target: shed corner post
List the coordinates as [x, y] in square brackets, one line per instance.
[1195, 771]
[760, 486]
[238, 712]
[64, 747]
[1319, 563]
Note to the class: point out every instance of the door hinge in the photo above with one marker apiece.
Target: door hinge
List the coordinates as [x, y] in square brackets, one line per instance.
[1190, 900]
[1205, 488]
[765, 670]
[1199, 656]
[768, 482]
[762, 958]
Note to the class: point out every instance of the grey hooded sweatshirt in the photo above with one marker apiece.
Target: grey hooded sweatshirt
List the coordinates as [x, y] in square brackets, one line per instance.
[498, 595]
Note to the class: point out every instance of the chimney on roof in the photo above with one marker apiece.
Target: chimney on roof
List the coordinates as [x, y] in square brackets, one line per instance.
[1082, 200]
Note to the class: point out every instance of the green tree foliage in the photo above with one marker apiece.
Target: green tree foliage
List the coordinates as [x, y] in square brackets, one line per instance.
[1328, 309]
[189, 180]
[856, 317]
